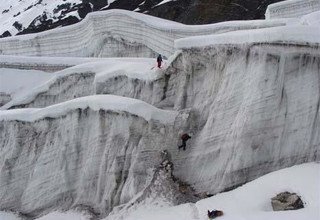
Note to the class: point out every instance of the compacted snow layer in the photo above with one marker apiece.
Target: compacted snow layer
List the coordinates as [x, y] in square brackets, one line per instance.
[115, 33]
[296, 34]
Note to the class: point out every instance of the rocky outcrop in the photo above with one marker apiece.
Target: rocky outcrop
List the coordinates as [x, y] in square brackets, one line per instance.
[286, 201]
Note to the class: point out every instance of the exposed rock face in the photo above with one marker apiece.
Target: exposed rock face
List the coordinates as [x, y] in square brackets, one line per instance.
[286, 201]
[211, 11]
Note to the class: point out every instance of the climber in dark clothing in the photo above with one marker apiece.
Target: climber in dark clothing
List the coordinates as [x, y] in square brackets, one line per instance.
[184, 139]
[214, 213]
[159, 60]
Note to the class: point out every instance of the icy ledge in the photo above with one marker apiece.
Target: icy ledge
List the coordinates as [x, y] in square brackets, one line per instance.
[97, 102]
[63, 84]
[302, 35]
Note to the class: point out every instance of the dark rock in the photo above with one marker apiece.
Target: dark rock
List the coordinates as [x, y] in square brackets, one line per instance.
[17, 25]
[84, 9]
[286, 201]
[5, 34]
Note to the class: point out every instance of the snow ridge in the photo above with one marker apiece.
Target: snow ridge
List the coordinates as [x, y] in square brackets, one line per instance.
[96, 102]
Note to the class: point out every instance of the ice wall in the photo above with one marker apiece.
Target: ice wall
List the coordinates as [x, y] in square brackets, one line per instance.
[249, 99]
[129, 33]
[97, 152]
[255, 109]
[292, 8]
[259, 111]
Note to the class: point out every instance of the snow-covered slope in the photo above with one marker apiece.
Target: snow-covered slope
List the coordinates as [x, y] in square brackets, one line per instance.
[18, 15]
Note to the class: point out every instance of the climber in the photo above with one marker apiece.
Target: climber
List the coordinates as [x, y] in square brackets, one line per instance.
[159, 60]
[184, 139]
[214, 213]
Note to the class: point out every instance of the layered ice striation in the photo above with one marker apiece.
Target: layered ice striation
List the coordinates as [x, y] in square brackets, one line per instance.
[292, 8]
[95, 151]
[115, 33]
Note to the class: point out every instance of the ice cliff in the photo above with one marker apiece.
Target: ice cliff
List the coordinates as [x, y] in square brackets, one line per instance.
[92, 135]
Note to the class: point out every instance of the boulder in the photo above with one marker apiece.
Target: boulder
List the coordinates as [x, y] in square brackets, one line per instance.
[286, 201]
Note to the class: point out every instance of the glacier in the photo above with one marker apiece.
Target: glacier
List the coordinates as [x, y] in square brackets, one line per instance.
[92, 135]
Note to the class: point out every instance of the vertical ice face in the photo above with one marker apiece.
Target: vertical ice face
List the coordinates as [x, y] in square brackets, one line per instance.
[258, 108]
[96, 158]
[292, 8]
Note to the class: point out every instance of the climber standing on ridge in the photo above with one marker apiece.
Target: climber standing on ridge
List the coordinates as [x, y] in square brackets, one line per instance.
[185, 137]
[159, 60]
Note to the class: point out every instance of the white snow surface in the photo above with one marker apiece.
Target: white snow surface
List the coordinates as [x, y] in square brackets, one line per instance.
[251, 201]
[311, 19]
[16, 82]
[163, 2]
[96, 102]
